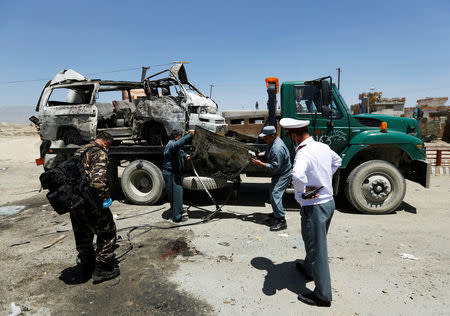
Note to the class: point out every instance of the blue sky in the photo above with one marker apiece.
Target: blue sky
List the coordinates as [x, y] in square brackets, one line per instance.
[399, 47]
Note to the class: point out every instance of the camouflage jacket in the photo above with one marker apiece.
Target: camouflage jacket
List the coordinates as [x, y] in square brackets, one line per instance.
[95, 163]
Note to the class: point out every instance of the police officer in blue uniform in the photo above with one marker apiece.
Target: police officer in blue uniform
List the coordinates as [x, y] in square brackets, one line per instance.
[279, 166]
[172, 169]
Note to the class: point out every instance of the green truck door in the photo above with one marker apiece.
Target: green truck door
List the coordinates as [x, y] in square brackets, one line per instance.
[306, 102]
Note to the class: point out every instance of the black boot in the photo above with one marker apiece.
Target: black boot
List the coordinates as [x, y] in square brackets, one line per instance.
[280, 224]
[105, 271]
[87, 263]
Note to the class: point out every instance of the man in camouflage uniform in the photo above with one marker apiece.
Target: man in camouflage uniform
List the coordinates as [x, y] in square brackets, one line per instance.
[91, 220]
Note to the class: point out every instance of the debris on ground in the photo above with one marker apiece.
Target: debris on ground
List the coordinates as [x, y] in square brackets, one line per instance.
[408, 256]
[224, 243]
[11, 209]
[20, 243]
[15, 310]
[54, 241]
[231, 301]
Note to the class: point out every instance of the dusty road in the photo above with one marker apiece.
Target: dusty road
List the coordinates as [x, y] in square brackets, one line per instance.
[232, 265]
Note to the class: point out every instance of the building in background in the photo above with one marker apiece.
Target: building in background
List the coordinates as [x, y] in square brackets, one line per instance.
[135, 94]
[434, 117]
[430, 107]
[373, 102]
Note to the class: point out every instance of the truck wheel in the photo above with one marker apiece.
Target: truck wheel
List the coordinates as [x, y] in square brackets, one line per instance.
[375, 187]
[193, 183]
[71, 136]
[142, 182]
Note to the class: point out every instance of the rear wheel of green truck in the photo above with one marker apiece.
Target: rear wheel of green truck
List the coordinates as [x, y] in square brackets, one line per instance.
[375, 187]
[142, 182]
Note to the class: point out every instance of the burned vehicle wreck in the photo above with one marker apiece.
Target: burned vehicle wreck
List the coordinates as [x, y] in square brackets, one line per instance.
[173, 103]
[217, 160]
[73, 108]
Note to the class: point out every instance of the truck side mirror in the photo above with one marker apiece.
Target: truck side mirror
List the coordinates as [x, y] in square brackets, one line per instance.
[326, 93]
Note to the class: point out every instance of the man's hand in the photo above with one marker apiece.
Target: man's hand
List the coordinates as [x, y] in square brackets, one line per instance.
[192, 132]
[188, 157]
[258, 162]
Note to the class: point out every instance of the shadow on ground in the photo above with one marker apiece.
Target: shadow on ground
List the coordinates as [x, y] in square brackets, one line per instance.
[280, 276]
[73, 275]
[343, 206]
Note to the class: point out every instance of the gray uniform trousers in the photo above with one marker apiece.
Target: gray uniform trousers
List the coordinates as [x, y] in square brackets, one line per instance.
[315, 223]
[277, 188]
[174, 193]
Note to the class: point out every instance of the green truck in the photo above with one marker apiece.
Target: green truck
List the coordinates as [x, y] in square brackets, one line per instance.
[378, 151]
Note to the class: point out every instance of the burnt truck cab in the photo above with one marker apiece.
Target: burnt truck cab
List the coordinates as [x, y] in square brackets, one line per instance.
[378, 151]
[73, 108]
[174, 103]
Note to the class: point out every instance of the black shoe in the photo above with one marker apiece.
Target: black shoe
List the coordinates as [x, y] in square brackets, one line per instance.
[280, 224]
[182, 219]
[301, 268]
[105, 271]
[311, 299]
[271, 215]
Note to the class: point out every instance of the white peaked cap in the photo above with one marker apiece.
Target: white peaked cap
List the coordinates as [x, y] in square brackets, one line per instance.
[290, 123]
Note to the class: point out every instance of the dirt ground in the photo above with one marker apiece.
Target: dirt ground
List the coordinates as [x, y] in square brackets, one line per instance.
[232, 265]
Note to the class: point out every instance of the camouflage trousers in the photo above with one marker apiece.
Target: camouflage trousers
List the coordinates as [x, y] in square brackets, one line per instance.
[85, 223]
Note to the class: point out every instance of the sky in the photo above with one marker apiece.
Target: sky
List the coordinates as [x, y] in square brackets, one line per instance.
[398, 47]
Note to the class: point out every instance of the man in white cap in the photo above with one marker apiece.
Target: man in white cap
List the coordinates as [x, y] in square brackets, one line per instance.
[314, 166]
[279, 166]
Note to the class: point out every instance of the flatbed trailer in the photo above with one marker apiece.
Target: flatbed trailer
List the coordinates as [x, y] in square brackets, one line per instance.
[141, 180]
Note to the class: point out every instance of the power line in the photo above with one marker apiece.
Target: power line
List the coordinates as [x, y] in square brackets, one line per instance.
[88, 74]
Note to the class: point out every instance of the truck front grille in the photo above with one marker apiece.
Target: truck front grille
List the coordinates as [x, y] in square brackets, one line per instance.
[368, 121]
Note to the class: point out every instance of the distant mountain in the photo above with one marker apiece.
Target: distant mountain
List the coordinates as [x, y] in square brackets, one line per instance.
[16, 114]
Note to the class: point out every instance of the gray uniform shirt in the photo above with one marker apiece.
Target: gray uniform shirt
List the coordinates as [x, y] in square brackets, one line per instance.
[278, 158]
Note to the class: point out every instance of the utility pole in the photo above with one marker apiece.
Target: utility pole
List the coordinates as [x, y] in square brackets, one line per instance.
[339, 77]
[144, 72]
[210, 90]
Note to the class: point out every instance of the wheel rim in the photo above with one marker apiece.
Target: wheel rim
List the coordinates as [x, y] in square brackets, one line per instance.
[141, 183]
[376, 188]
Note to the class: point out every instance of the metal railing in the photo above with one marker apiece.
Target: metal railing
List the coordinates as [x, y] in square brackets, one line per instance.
[438, 156]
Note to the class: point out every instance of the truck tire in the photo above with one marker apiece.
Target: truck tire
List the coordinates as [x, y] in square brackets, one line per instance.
[375, 187]
[142, 182]
[193, 183]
